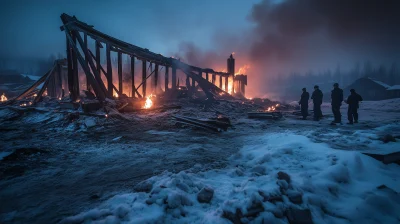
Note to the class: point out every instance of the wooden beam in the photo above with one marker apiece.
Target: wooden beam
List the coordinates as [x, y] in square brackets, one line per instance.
[75, 72]
[166, 78]
[97, 90]
[91, 64]
[85, 43]
[226, 83]
[220, 81]
[46, 83]
[207, 76]
[144, 78]
[213, 79]
[97, 58]
[69, 64]
[155, 77]
[133, 75]
[109, 71]
[120, 72]
[173, 84]
[33, 87]
[104, 72]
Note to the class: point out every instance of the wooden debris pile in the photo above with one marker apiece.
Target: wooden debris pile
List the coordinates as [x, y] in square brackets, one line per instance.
[214, 124]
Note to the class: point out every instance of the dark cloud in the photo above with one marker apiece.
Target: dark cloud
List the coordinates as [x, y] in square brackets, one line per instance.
[286, 28]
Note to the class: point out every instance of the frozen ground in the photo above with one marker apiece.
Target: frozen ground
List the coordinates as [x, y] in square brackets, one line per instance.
[148, 170]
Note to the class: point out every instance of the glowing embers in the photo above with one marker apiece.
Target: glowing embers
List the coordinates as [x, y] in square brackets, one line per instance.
[148, 103]
[272, 108]
[3, 98]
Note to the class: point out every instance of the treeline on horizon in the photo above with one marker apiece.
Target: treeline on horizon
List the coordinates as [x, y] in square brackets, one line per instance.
[389, 74]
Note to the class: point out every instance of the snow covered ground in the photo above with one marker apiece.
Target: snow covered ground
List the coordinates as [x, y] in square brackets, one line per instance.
[258, 172]
[337, 186]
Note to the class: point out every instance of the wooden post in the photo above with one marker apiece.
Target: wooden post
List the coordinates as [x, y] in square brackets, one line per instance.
[98, 59]
[70, 69]
[120, 72]
[207, 77]
[166, 78]
[75, 83]
[109, 71]
[85, 42]
[226, 84]
[220, 81]
[213, 78]
[173, 78]
[155, 77]
[93, 82]
[91, 63]
[144, 77]
[133, 75]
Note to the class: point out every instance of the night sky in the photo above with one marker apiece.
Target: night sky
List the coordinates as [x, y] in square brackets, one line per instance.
[31, 27]
[272, 37]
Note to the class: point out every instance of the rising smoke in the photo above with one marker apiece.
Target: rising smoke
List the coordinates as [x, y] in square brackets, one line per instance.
[303, 35]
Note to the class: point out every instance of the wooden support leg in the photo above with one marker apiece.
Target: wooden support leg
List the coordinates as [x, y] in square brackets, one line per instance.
[75, 83]
[226, 83]
[173, 78]
[207, 76]
[220, 81]
[70, 69]
[109, 71]
[155, 77]
[120, 72]
[166, 78]
[144, 77]
[213, 79]
[90, 64]
[85, 42]
[133, 75]
[98, 59]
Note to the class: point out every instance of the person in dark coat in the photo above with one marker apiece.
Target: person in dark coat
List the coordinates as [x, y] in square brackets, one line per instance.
[317, 97]
[337, 98]
[353, 101]
[305, 96]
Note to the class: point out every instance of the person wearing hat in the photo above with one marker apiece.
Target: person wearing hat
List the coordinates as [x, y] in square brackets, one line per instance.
[353, 101]
[305, 96]
[337, 98]
[317, 97]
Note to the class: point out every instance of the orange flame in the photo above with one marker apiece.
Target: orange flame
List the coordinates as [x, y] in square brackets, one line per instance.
[149, 103]
[3, 98]
[243, 70]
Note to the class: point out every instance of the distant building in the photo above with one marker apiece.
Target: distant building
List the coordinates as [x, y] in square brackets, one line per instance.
[369, 89]
[394, 91]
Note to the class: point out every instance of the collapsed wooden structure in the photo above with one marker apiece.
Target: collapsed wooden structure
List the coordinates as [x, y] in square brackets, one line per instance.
[63, 78]
[91, 65]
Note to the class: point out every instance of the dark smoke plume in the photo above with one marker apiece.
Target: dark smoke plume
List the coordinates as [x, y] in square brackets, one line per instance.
[284, 30]
[306, 36]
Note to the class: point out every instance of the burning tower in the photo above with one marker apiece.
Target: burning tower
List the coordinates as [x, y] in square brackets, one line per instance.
[239, 80]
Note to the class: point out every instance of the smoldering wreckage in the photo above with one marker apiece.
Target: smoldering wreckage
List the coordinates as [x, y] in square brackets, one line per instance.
[78, 95]
[61, 89]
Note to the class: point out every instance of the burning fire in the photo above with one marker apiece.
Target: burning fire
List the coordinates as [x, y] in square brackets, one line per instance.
[243, 70]
[3, 98]
[149, 103]
[116, 95]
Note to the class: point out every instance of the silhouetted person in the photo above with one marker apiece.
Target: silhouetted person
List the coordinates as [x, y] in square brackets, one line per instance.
[305, 96]
[337, 98]
[352, 112]
[317, 101]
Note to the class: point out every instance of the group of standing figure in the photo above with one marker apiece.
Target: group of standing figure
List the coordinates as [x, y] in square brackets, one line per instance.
[336, 102]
